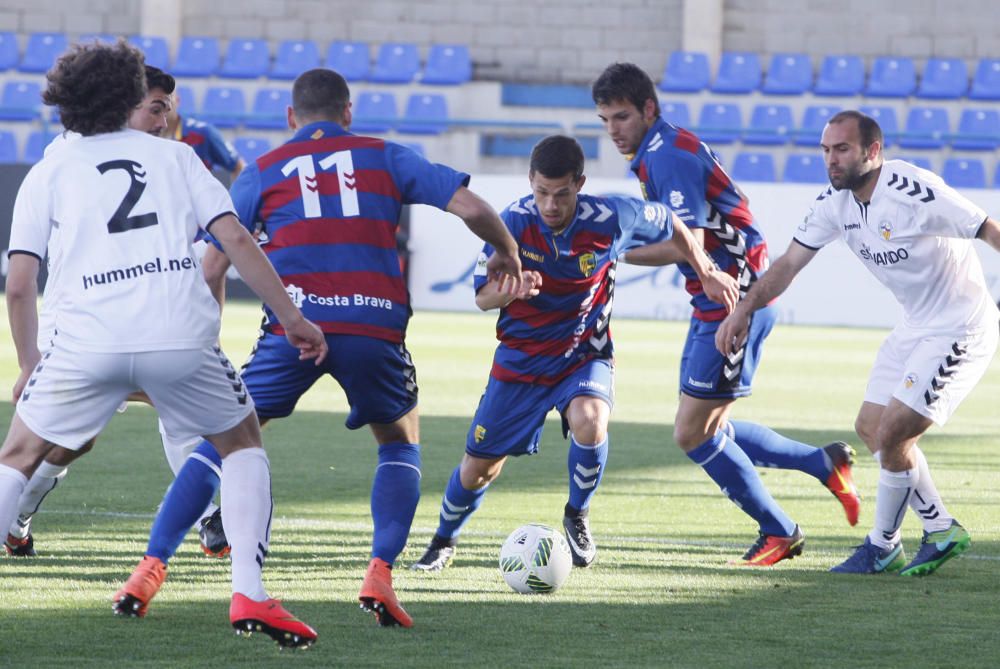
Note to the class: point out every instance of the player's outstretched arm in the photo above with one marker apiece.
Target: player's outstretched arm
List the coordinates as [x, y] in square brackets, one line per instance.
[214, 266]
[718, 286]
[989, 232]
[479, 217]
[22, 313]
[491, 296]
[732, 331]
[259, 274]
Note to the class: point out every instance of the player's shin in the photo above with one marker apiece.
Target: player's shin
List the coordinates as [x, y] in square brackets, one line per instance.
[12, 483]
[586, 469]
[246, 515]
[926, 500]
[891, 501]
[457, 506]
[394, 497]
[192, 490]
[767, 448]
[41, 483]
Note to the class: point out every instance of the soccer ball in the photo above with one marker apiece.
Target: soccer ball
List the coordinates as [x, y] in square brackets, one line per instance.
[535, 558]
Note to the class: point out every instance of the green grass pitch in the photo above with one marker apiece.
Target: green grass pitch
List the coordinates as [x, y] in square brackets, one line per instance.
[661, 593]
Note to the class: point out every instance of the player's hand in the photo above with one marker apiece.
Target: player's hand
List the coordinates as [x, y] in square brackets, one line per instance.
[308, 338]
[531, 282]
[732, 332]
[505, 269]
[721, 288]
[22, 382]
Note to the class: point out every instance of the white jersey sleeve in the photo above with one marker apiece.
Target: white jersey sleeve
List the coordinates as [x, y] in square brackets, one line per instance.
[947, 214]
[820, 226]
[32, 220]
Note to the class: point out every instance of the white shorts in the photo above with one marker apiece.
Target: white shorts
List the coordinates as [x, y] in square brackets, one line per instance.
[931, 372]
[70, 397]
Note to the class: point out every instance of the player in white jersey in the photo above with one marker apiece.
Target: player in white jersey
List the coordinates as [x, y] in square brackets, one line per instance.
[135, 313]
[149, 117]
[914, 233]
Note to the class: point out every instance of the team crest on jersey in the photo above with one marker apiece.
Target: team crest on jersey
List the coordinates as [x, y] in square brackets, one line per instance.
[588, 263]
[676, 199]
[296, 295]
[885, 229]
[479, 434]
[910, 380]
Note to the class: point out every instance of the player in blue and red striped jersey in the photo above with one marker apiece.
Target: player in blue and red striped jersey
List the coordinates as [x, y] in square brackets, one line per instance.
[206, 140]
[555, 341]
[326, 206]
[678, 169]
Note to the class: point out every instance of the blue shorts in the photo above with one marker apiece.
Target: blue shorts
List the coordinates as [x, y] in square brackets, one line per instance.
[377, 376]
[707, 374]
[511, 416]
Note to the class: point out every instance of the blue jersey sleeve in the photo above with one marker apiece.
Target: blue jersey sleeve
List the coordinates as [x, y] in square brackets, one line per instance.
[479, 276]
[221, 153]
[680, 179]
[640, 223]
[420, 181]
[245, 192]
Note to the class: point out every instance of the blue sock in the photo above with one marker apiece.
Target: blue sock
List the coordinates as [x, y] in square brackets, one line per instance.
[767, 448]
[186, 499]
[457, 507]
[586, 469]
[395, 493]
[732, 470]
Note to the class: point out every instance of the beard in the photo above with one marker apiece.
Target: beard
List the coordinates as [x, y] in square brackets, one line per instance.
[851, 180]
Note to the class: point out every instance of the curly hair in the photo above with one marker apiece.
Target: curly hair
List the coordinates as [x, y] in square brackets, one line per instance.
[96, 86]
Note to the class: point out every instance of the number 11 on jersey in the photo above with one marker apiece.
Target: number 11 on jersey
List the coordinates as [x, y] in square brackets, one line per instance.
[309, 183]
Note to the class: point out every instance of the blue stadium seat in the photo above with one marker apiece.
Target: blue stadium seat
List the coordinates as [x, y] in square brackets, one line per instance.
[986, 82]
[887, 120]
[964, 173]
[269, 110]
[676, 113]
[944, 79]
[188, 101]
[814, 119]
[739, 72]
[840, 75]
[103, 38]
[769, 124]
[805, 168]
[196, 57]
[155, 48]
[21, 101]
[685, 72]
[926, 128]
[251, 148]
[8, 147]
[426, 114]
[295, 57]
[350, 59]
[34, 147]
[396, 63]
[920, 161]
[447, 64]
[788, 74]
[719, 123]
[978, 130]
[10, 54]
[374, 112]
[42, 51]
[996, 177]
[892, 78]
[246, 59]
[224, 106]
[753, 166]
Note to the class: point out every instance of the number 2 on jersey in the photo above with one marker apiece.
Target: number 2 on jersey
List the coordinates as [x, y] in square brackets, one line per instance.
[309, 183]
[120, 220]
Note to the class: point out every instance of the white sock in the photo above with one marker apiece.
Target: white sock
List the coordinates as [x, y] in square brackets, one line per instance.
[12, 483]
[246, 517]
[891, 500]
[41, 483]
[926, 500]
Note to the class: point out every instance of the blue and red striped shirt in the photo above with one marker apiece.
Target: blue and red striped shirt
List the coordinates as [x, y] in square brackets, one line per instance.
[547, 337]
[327, 204]
[208, 143]
[676, 168]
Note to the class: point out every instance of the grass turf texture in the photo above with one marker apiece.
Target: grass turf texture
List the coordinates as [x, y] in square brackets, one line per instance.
[660, 594]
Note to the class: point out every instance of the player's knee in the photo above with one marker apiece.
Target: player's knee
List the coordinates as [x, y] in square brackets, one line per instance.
[687, 436]
[62, 457]
[477, 473]
[865, 431]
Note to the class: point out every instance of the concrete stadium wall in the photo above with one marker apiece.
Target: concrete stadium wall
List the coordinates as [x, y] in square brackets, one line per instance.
[556, 41]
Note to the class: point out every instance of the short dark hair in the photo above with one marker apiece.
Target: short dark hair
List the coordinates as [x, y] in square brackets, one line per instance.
[320, 94]
[624, 81]
[868, 127]
[556, 156]
[157, 78]
[96, 86]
